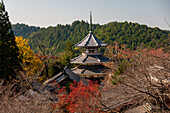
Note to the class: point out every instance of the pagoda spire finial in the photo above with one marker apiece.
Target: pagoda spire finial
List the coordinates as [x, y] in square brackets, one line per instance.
[90, 21]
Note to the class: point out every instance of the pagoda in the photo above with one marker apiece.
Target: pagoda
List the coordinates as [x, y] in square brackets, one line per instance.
[91, 60]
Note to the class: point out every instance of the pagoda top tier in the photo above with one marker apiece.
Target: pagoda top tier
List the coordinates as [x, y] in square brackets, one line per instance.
[91, 55]
[91, 41]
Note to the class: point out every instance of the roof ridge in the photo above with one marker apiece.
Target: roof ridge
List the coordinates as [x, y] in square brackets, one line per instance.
[76, 57]
[94, 38]
[82, 40]
[98, 58]
[88, 39]
[85, 58]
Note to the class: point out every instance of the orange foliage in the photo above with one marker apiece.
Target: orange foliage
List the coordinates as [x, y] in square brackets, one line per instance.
[81, 98]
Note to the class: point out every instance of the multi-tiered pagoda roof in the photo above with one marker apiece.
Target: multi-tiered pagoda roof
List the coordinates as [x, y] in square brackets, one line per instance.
[91, 60]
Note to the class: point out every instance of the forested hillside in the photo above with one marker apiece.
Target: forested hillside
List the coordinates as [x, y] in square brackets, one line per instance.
[23, 30]
[131, 34]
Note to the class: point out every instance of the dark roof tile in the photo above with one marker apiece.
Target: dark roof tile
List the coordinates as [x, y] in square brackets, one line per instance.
[91, 41]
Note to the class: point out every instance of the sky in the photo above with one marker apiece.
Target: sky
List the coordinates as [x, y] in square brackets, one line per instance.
[46, 13]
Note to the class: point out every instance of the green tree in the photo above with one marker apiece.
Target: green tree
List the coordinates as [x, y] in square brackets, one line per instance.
[122, 32]
[9, 52]
[68, 55]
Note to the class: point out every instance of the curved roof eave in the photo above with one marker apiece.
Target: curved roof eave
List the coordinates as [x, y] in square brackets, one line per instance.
[91, 41]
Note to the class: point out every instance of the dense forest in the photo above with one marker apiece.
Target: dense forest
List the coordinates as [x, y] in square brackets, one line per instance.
[24, 30]
[132, 35]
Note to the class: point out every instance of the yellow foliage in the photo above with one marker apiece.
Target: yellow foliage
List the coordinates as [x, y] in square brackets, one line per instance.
[76, 48]
[31, 63]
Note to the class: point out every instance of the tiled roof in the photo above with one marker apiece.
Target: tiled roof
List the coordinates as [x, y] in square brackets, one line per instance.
[86, 58]
[91, 41]
[90, 69]
[63, 75]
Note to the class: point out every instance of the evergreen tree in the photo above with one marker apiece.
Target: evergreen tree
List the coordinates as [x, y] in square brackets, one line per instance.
[9, 61]
[68, 54]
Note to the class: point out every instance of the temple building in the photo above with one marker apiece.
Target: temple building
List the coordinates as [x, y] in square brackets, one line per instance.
[91, 59]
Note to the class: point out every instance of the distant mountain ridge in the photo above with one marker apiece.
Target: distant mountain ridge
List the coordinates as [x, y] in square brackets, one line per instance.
[24, 30]
[131, 34]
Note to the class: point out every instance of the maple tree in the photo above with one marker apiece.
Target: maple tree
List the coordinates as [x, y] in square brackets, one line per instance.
[81, 98]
